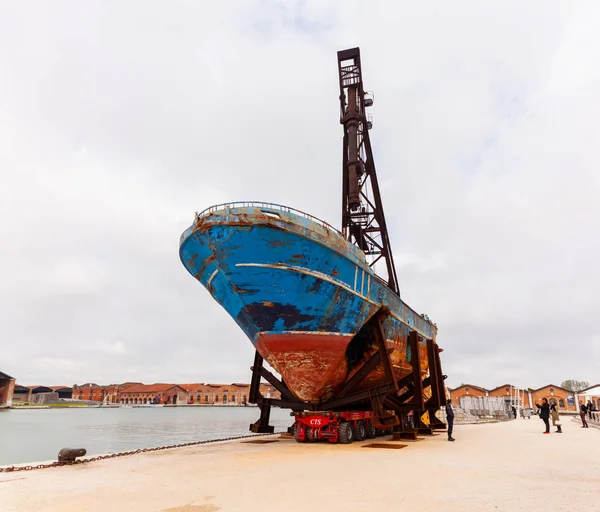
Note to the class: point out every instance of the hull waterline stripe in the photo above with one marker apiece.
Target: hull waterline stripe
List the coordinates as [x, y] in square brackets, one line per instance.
[316, 333]
[308, 272]
[324, 277]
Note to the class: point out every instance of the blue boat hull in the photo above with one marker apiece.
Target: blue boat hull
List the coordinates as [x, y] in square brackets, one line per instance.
[299, 291]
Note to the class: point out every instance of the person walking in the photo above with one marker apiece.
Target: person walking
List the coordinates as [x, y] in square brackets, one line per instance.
[590, 408]
[450, 418]
[555, 418]
[545, 413]
[582, 413]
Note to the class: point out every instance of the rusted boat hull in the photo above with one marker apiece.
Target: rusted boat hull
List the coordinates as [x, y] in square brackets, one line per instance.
[301, 293]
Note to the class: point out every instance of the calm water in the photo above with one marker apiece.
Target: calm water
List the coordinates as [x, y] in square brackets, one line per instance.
[38, 434]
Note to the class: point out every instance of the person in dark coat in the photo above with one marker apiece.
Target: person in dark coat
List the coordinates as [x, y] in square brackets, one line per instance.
[450, 418]
[582, 413]
[545, 413]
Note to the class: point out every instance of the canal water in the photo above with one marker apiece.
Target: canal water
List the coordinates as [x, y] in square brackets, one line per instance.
[35, 435]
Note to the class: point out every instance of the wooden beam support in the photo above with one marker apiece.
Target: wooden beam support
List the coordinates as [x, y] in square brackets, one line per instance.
[254, 393]
[381, 338]
[361, 374]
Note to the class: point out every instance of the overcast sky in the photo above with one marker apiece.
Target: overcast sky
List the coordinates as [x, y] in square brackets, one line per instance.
[118, 120]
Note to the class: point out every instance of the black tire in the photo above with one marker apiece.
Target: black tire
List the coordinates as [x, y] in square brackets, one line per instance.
[360, 432]
[371, 432]
[345, 432]
[297, 433]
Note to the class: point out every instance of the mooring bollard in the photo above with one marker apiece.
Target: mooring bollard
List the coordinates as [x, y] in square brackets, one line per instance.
[70, 454]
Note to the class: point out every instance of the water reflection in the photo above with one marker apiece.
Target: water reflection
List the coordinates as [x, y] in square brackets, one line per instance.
[37, 435]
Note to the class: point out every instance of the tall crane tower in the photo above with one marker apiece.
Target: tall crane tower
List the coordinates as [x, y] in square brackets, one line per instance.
[363, 221]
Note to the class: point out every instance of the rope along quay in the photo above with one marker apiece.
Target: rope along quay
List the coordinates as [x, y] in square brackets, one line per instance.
[10, 469]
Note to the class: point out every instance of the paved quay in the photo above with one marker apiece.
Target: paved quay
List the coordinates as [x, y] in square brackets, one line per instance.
[491, 467]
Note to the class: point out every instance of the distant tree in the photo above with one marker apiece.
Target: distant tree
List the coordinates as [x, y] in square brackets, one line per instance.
[575, 385]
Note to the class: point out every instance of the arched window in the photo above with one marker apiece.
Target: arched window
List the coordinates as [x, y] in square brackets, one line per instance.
[206, 398]
[561, 403]
[216, 399]
[224, 399]
[198, 399]
[233, 398]
[191, 399]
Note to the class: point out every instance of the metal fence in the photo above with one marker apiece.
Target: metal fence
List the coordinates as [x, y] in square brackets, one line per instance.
[486, 406]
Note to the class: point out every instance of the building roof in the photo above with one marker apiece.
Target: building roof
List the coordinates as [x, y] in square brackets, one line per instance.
[589, 388]
[468, 386]
[554, 386]
[60, 388]
[194, 388]
[6, 376]
[150, 388]
[502, 386]
[41, 389]
[128, 384]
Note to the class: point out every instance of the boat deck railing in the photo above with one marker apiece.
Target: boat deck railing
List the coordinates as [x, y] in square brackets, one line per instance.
[272, 206]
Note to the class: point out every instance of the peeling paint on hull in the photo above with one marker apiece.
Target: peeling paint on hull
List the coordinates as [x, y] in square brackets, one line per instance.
[300, 292]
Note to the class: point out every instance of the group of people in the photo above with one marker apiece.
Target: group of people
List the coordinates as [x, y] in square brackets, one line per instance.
[546, 411]
[550, 411]
[586, 409]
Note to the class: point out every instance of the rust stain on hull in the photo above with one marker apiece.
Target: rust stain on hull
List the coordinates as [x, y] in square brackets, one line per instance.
[312, 365]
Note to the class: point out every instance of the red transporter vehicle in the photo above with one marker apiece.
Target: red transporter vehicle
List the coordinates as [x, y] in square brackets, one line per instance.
[335, 427]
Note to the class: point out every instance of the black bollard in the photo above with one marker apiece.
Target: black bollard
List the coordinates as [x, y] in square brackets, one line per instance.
[70, 454]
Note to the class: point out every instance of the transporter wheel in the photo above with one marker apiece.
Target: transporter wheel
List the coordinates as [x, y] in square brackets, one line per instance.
[360, 433]
[297, 428]
[371, 433]
[345, 432]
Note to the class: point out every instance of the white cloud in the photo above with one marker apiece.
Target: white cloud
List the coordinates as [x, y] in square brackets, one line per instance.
[115, 128]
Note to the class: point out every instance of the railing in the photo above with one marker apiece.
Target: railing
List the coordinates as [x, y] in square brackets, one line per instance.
[273, 206]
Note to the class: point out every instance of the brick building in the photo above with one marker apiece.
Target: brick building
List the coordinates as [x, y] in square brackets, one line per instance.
[192, 394]
[153, 394]
[466, 390]
[93, 392]
[7, 387]
[564, 399]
